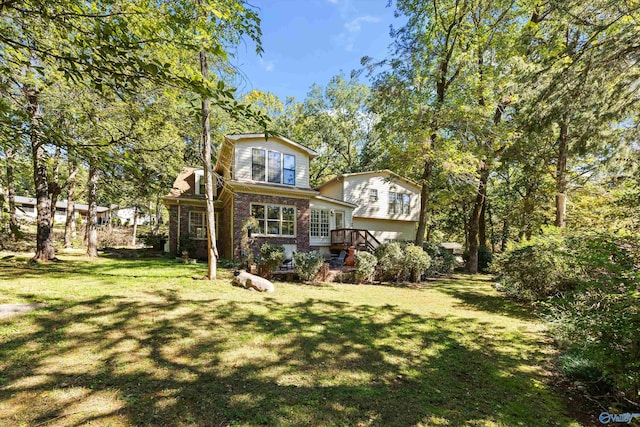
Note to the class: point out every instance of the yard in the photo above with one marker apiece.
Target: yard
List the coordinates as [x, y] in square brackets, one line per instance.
[140, 342]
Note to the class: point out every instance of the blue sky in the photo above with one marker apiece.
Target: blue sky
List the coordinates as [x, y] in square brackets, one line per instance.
[310, 41]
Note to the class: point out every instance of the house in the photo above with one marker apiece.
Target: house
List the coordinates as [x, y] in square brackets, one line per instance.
[263, 178]
[26, 210]
[125, 215]
[387, 205]
[267, 179]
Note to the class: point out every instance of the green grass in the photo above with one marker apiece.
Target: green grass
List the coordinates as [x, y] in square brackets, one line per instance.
[140, 342]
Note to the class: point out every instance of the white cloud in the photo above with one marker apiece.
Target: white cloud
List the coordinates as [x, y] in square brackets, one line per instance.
[268, 66]
[333, 1]
[356, 24]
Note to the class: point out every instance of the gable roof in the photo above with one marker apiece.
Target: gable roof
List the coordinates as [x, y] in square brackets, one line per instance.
[180, 185]
[378, 172]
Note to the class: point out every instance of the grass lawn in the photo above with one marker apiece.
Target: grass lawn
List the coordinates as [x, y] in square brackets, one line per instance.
[139, 342]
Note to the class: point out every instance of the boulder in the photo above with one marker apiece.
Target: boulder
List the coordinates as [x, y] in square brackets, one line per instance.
[251, 281]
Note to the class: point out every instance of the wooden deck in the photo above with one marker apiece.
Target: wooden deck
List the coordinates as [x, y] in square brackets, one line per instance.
[361, 239]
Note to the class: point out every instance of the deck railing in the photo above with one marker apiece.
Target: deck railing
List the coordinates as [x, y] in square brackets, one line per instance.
[361, 239]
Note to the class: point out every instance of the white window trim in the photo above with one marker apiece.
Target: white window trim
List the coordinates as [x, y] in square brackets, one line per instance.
[199, 177]
[266, 166]
[328, 216]
[204, 224]
[295, 220]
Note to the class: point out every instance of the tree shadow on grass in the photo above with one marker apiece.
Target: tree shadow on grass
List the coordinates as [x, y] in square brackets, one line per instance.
[173, 361]
[482, 298]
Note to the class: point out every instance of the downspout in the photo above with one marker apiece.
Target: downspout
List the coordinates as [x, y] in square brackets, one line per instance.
[178, 234]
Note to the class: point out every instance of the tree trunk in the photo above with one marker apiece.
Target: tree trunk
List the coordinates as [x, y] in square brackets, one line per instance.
[44, 245]
[158, 215]
[482, 224]
[70, 223]
[54, 186]
[212, 251]
[505, 234]
[14, 228]
[92, 232]
[135, 225]
[474, 220]
[561, 176]
[424, 199]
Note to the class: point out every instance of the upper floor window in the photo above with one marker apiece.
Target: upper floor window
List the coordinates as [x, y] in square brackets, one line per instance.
[200, 188]
[289, 170]
[258, 164]
[373, 195]
[273, 166]
[399, 203]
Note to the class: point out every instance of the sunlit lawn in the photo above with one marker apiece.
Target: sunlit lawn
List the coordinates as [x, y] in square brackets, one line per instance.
[140, 342]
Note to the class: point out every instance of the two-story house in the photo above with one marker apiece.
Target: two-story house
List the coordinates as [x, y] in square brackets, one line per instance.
[263, 178]
[387, 205]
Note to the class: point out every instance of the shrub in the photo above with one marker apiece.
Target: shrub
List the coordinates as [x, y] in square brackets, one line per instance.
[442, 260]
[156, 241]
[307, 265]
[397, 262]
[272, 257]
[365, 267]
[485, 257]
[588, 283]
[389, 256]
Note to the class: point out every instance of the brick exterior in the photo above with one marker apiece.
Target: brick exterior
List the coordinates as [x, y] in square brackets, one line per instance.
[200, 250]
[241, 211]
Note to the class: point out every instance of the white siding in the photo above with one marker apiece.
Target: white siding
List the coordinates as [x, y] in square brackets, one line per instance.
[322, 204]
[333, 189]
[387, 230]
[357, 190]
[242, 165]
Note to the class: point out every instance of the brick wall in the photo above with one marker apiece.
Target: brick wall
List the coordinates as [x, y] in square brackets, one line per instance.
[200, 245]
[241, 211]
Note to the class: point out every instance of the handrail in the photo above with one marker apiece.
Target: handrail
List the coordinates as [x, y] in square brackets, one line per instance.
[361, 238]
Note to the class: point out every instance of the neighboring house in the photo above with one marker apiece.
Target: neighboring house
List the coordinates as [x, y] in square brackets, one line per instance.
[267, 179]
[125, 215]
[26, 210]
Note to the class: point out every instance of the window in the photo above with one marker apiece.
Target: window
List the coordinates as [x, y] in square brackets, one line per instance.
[399, 203]
[319, 223]
[200, 183]
[197, 229]
[258, 164]
[274, 220]
[289, 170]
[393, 202]
[406, 204]
[27, 208]
[272, 166]
[275, 165]
[373, 195]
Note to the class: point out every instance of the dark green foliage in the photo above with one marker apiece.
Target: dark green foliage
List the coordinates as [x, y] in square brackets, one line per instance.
[442, 260]
[398, 262]
[307, 265]
[228, 263]
[187, 245]
[272, 256]
[588, 284]
[484, 258]
[365, 267]
[156, 241]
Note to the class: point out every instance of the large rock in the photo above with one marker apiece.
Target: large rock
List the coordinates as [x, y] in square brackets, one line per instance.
[251, 281]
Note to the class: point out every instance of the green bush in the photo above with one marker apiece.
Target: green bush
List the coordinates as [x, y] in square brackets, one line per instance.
[589, 287]
[272, 256]
[156, 241]
[442, 261]
[389, 256]
[365, 267]
[307, 265]
[415, 262]
[398, 262]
